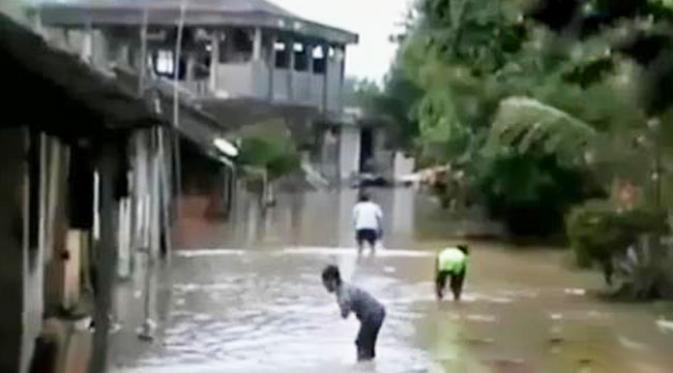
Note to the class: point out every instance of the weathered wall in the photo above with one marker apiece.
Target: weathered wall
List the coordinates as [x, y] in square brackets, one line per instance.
[334, 85]
[349, 151]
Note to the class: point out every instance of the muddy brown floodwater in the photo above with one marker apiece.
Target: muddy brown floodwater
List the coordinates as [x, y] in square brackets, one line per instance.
[247, 297]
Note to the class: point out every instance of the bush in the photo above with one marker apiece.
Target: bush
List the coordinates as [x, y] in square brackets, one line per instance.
[530, 193]
[277, 155]
[598, 232]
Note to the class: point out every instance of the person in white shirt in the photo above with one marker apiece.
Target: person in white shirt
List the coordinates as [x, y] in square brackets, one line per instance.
[368, 219]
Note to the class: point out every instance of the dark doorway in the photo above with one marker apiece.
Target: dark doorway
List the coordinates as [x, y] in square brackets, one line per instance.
[366, 151]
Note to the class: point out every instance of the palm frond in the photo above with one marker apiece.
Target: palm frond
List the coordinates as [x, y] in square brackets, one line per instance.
[523, 123]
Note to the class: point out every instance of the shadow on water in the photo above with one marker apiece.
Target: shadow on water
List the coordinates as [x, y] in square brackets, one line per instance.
[247, 297]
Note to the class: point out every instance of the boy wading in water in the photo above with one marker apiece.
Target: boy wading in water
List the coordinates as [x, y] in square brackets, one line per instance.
[367, 309]
[451, 262]
[368, 221]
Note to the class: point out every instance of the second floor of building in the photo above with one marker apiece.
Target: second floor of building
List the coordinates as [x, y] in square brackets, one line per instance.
[243, 56]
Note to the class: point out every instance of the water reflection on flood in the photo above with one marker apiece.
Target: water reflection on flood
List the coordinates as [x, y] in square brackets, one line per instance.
[248, 298]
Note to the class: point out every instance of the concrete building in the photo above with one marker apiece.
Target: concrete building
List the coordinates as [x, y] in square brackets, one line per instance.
[365, 145]
[67, 139]
[242, 61]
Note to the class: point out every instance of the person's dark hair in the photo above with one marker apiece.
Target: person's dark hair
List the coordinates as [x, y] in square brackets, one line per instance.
[331, 272]
[465, 249]
[364, 197]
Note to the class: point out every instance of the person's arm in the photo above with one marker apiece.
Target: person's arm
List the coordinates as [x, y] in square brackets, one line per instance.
[438, 291]
[355, 215]
[438, 288]
[344, 304]
[379, 217]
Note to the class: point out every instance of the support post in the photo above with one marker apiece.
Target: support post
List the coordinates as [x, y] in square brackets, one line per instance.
[106, 258]
[214, 60]
[272, 67]
[290, 70]
[142, 65]
[257, 45]
[342, 77]
[308, 47]
[191, 66]
[325, 85]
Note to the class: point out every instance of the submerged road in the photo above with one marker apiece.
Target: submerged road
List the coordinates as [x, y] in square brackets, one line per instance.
[247, 297]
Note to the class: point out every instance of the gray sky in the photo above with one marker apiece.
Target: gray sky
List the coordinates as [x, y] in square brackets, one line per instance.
[374, 20]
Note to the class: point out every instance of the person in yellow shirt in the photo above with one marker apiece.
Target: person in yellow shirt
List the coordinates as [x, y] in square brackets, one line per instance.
[451, 262]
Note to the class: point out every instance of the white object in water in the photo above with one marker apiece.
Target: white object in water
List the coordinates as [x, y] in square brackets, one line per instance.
[556, 316]
[578, 292]
[389, 269]
[481, 318]
[665, 325]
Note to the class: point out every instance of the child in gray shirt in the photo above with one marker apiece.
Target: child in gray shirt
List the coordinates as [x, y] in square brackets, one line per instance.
[368, 310]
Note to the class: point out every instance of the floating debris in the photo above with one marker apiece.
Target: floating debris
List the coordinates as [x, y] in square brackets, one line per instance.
[665, 325]
[631, 344]
[481, 318]
[556, 316]
[577, 292]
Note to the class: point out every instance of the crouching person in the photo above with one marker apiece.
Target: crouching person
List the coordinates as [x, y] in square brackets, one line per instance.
[368, 310]
[451, 263]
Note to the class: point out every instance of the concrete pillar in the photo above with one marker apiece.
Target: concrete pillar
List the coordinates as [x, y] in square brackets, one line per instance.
[122, 56]
[342, 77]
[349, 151]
[86, 54]
[124, 234]
[309, 58]
[325, 86]
[272, 66]
[191, 66]
[214, 60]
[71, 269]
[290, 70]
[12, 182]
[257, 45]
[106, 261]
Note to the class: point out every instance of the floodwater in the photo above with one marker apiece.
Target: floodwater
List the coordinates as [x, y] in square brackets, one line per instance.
[247, 297]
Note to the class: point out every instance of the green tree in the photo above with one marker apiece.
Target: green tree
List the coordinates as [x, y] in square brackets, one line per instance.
[269, 146]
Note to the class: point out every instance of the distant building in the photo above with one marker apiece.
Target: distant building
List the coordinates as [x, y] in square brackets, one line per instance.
[366, 145]
[242, 61]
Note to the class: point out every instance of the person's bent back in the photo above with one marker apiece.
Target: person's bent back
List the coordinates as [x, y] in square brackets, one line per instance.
[451, 262]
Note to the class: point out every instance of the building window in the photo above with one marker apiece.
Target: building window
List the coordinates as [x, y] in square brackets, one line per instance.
[300, 57]
[282, 55]
[164, 65]
[164, 62]
[237, 46]
[319, 60]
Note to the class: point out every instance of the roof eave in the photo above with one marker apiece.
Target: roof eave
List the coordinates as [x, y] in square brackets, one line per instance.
[78, 16]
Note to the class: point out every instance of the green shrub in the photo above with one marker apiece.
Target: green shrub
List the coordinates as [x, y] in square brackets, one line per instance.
[529, 193]
[598, 231]
[278, 155]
